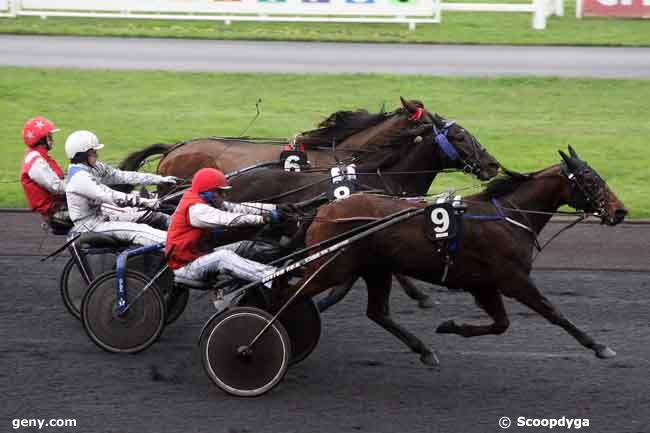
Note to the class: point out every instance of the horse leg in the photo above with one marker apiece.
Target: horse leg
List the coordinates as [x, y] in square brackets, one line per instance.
[379, 286]
[492, 302]
[529, 295]
[424, 300]
[335, 295]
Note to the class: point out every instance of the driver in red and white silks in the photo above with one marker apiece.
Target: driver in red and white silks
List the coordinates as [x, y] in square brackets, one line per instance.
[40, 175]
[200, 211]
[95, 207]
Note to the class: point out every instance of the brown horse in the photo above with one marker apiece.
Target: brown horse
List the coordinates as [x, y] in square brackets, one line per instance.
[494, 258]
[347, 131]
[408, 164]
[404, 163]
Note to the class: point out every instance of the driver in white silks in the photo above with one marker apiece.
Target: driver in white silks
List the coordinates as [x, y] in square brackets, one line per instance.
[95, 207]
[200, 211]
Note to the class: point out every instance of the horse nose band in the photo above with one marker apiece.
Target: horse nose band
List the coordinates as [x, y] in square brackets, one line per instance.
[452, 153]
[589, 198]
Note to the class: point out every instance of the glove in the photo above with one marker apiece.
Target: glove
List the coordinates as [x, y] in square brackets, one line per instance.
[171, 180]
[273, 217]
[149, 203]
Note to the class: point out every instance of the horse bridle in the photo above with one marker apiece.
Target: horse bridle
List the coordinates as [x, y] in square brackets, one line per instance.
[582, 197]
[452, 153]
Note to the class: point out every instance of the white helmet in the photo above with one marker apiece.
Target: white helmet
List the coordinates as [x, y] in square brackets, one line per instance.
[81, 141]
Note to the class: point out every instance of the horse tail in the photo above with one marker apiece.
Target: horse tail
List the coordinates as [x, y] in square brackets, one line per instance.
[135, 160]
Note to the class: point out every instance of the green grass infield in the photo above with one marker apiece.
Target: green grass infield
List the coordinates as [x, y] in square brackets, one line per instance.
[521, 121]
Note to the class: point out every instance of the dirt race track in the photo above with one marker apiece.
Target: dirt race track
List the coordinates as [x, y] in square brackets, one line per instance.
[359, 378]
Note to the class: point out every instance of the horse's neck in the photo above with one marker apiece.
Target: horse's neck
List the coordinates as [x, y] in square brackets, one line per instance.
[412, 174]
[369, 137]
[543, 194]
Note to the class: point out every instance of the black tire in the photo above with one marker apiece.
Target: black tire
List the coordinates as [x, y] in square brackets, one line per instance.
[72, 284]
[302, 322]
[255, 297]
[248, 375]
[176, 300]
[131, 332]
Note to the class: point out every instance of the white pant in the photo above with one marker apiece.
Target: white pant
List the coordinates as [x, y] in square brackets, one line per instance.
[122, 225]
[139, 234]
[129, 214]
[224, 259]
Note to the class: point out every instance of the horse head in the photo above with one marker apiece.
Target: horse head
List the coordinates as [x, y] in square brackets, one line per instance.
[588, 191]
[463, 149]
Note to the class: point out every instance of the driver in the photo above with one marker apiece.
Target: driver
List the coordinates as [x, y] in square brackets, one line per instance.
[93, 206]
[200, 211]
[40, 175]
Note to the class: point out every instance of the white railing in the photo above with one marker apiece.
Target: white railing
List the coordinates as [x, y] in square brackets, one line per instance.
[362, 11]
[369, 11]
[6, 8]
[541, 9]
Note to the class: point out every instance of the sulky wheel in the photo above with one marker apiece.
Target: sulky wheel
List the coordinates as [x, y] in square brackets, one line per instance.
[235, 368]
[133, 331]
[301, 320]
[255, 297]
[73, 285]
[176, 299]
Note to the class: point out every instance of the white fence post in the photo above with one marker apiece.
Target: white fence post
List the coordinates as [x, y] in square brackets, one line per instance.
[539, 15]
[437, 11]
[559, 8]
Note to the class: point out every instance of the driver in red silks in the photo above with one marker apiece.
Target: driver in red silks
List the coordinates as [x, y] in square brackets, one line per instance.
[40, 175]
[202, 210]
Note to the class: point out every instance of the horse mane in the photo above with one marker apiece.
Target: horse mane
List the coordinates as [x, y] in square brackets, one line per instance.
[506, 184]
[340, 126]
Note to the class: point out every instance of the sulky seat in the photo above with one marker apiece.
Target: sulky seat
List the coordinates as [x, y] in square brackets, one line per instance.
[98, 240]
[193, 284]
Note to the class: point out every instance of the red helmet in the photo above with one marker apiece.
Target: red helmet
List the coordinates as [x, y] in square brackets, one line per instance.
[37, 128]
[208, 179]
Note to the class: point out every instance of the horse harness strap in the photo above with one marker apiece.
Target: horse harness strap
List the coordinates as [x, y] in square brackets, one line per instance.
[523, 226]
[501, 216]
[562, 230]
[443, 142]
[441, 226]
[383, 182]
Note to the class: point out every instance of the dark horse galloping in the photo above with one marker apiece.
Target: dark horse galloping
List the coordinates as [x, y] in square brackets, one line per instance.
[494, 257]
[405, 165]
[348, 131]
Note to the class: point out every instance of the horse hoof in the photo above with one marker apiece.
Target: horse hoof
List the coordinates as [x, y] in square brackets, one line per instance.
[427, 303]
[430, 359]
[447, 327]
[604, 352]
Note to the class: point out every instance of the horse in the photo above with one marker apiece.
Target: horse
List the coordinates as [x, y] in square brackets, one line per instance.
[494, 255]
[406, 165]
[343, 131]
